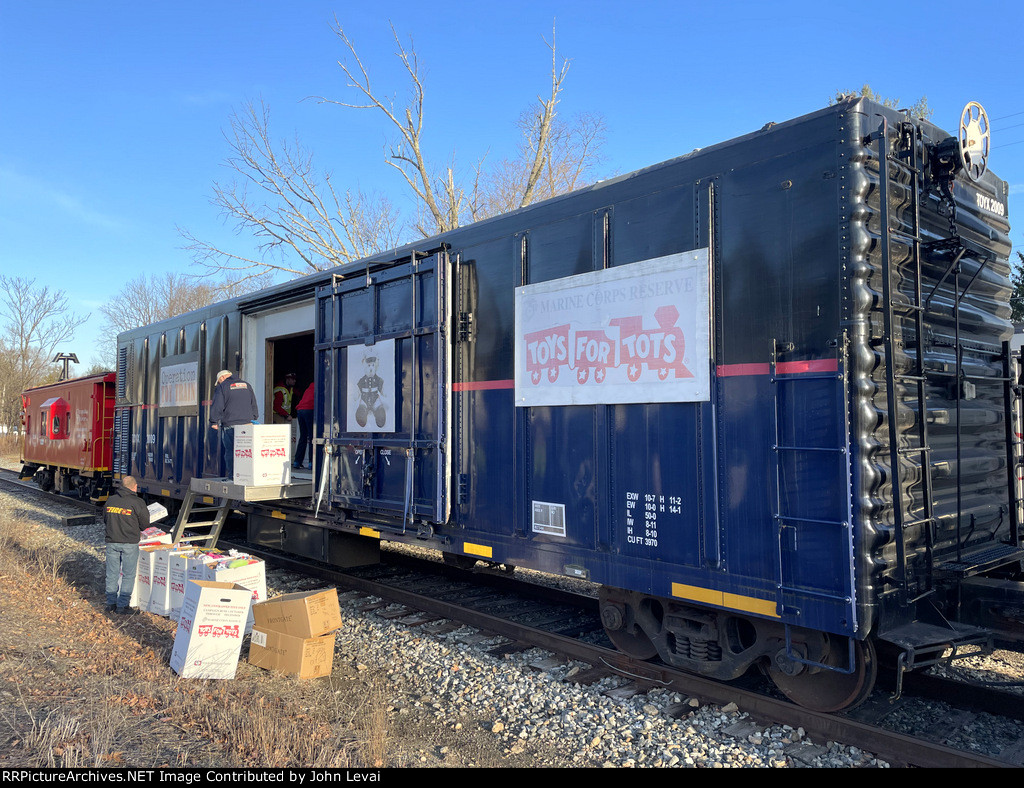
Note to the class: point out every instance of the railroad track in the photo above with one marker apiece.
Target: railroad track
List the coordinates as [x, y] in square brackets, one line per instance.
[426, 594]
[435, 598]
[9, 481]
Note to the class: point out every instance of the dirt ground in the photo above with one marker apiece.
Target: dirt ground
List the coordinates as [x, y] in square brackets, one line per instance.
[83, 688]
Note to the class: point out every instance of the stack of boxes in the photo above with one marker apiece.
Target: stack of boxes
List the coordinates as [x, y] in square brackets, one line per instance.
[294, 633]
[144, 570]
[165, 571]
[210, 594]
[218, 598]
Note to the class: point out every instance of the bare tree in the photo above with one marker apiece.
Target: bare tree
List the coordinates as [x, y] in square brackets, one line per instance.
[553, 156]
[145, 300]
[573, 153]
[35, 321]
[301, 223]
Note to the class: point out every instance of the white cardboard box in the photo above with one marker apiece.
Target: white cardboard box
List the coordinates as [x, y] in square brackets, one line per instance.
[160, 591]
[144, 573]
[263, 454]
[251, 576]
[177, 577]
[144, 541]
[209, 636]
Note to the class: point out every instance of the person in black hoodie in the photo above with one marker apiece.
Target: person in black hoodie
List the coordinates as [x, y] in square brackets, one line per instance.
[234, 404]
[127, 516]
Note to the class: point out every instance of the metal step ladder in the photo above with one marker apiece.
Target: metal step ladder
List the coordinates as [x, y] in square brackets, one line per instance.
[202, 522]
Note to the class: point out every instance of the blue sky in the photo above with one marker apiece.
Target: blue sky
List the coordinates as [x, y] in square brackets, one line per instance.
[112, 113]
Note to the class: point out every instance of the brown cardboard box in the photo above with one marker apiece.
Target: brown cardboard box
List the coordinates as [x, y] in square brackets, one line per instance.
[306, 658]
[306, 614]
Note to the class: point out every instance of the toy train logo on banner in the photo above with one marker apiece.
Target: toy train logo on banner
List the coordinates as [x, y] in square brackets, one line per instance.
[633, 333]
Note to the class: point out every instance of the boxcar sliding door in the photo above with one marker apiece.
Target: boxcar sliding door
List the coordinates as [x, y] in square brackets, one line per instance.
[382, 366]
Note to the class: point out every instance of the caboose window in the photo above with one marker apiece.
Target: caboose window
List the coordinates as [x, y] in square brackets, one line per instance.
[51, 423]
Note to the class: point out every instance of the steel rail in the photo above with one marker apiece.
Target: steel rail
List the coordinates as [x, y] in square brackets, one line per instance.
[896, 748]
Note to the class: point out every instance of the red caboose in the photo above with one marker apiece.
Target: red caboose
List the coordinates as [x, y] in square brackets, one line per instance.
[69, 435]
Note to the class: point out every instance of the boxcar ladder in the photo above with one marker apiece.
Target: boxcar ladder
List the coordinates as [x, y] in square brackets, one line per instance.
[907, 162]
[926, 640]
[789, 443]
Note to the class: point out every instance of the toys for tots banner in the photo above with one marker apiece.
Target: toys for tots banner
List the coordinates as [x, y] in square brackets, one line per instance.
[633, 333]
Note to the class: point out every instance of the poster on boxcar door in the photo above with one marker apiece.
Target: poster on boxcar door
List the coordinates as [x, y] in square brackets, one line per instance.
[633, 333]
[371, 387]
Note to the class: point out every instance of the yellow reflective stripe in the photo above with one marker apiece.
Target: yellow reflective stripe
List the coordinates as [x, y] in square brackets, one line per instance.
[748, 604]
[369, 532]
[477, 549]
[278, 514]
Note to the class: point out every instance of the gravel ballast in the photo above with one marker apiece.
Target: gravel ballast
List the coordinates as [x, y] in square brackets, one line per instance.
[448, 680]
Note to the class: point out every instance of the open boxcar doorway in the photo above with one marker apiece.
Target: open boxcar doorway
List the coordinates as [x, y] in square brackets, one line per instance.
[287, 355]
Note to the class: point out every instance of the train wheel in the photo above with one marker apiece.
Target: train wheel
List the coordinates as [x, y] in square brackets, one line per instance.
[827, 690]
[635, 643]
[627, 637]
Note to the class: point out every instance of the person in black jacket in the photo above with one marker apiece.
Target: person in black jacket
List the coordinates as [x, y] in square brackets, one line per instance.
[234, 403]
[127, 516]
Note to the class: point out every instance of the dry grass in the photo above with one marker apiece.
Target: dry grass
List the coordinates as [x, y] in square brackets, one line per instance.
[10, 447]
[376, 718]
[79, 688]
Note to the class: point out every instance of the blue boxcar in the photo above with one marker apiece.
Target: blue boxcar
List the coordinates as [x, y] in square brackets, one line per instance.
[760, 393]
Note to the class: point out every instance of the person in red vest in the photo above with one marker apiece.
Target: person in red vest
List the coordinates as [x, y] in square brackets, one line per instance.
[283, 399]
